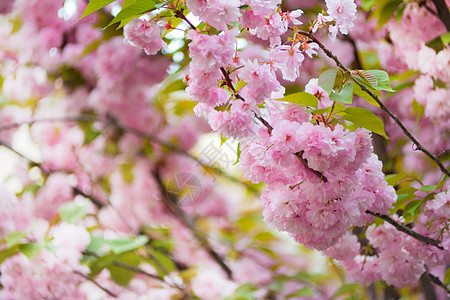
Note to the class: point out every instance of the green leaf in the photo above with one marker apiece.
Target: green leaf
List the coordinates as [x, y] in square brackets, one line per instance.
[345, 288]
[14, 238]
[161, 259]
[245, 291]
[238, 153]
[345, 95]
[264, 236]
[327, 80]
[447, 276]
[394, 179]
[8, 252]
[134, 10]
[71, 212]
[382, 80]
[127, 171]
[386, 11]
[412, 206]
[96, 244]
[95, 5]
[120, 275]
[239, 85]
[30, 249]
[364, 118]
[359, 92]
[418, 109]
[428, 188]
[123, 245]
[367, 79]
[306, 291]
[302, 98]
[442, 181]
[445, 38]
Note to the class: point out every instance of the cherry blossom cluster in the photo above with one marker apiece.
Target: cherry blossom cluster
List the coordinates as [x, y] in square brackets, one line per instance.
[397, 258]
[322, 179]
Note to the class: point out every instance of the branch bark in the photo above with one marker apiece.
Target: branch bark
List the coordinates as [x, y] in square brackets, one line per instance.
[408, 231]
[181, 216]
[443, 12]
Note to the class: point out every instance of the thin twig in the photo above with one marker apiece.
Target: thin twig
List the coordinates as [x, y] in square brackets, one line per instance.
[96, 283]
[438, 282]
[181, 216]
[408, 231]
[76, 190]
[381, 104]
[299, 155]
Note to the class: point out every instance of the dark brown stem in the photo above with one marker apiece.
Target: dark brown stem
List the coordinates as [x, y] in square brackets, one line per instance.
[438, 282]
[443, 12]
[181, 216]
[381, 104]
[408, 231]
[179, 14]
[426, 287]
[96, 283]
[299, 155]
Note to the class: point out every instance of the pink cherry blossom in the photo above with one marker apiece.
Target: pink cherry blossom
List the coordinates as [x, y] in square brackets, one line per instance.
[145, 35]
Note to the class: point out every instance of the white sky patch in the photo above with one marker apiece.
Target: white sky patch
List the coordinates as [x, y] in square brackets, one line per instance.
[69, 10]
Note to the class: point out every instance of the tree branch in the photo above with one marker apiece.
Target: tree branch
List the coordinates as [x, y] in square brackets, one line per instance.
[408, 231]
[438, 282]
[181, 216]
[381, 104]
[96, 283]
[443, 12]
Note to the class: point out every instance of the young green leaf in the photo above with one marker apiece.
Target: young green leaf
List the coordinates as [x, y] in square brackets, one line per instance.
[345, 288]
[95, 5]
[301, 98]
[306, 291]
[123, 245]
[71, 212]
[134, 10]
[386, 11]
[367, 79]
[359, 92]
[30, 249]
[382, 80]
[8, 252]
[345, 95]
[366, 119]
[14, 238]
[327, 80]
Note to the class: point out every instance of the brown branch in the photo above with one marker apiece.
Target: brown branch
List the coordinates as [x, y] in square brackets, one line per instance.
[181, 216]
[96, 283]
[406, 230]
[438, 282]
[443, 12]
[299, 155]
[140, 271]
[381, 104]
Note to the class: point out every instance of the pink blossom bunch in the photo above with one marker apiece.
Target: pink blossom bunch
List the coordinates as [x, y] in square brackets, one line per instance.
[145, 35]
[343, 12]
